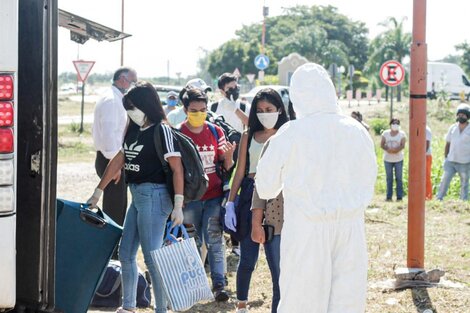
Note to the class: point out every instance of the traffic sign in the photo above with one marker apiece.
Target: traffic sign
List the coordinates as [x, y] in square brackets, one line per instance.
[261, 62]
[83, 68]
[237, 73]
[392, 73]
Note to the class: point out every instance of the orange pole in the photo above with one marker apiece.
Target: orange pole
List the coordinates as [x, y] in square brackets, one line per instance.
[417, 163]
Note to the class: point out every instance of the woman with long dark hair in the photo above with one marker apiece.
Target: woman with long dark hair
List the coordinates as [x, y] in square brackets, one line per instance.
[151, 203]
[267, 115]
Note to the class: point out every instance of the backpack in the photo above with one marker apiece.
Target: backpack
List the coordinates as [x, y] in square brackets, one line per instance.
[231, 134]
[109, 292]
[195, 179]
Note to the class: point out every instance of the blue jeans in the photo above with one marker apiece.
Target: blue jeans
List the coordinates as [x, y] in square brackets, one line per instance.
[389, 166]
[249, 251]
[450, 168]
[145, 224]
[205, 216]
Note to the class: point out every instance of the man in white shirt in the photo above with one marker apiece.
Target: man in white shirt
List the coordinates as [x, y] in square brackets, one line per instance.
[457, 154]
[110, 120]
[230, 107]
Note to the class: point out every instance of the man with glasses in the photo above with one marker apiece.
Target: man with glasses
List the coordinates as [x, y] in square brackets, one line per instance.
[110, 119]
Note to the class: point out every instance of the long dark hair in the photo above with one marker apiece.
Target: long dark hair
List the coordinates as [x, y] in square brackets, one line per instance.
[269, 95]
[144, 97]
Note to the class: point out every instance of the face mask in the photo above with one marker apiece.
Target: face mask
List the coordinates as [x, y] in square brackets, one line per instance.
[196, 119]
[137, 116]
[395, 127]
[268, 120]
[172, 102]
[462, 120]
[233, 93]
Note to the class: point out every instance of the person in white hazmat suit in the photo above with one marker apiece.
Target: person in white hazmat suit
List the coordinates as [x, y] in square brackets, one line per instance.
[325, 164]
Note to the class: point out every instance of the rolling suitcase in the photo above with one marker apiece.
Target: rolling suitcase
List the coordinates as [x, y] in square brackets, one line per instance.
[85, 241]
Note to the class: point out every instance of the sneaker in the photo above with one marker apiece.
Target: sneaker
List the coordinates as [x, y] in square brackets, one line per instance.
[220, 294]
[236, 250]
[244, 310]
[121, 310]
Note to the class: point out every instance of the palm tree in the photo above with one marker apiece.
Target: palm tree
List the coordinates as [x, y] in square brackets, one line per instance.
[393, 43]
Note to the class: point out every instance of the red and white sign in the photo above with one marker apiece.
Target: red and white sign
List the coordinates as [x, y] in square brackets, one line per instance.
[83, 69]
[392, 73]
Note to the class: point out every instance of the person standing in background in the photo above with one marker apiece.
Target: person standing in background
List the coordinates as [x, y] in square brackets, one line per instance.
[393, 143]
[428, 163]
[109, 124]
[457, 154]
[171, 102]
[230, 106]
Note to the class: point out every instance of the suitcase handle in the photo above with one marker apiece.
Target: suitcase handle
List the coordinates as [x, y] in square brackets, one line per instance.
[92, 218]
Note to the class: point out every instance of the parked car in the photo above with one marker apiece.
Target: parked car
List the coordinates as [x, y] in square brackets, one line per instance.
[163, 90]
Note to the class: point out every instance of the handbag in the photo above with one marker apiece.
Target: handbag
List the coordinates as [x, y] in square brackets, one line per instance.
[181, 269]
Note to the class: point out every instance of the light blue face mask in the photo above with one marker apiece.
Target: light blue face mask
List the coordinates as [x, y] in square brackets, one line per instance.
[172, 102]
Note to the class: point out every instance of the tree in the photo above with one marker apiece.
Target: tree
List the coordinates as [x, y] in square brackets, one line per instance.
[320, 33]
[465, 59]
[393, 43]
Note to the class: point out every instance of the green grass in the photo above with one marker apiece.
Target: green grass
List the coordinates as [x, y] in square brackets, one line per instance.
[67, 107]
[73, 146]
[440, 118]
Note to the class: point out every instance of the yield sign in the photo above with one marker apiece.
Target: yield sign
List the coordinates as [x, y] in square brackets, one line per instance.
[392, 73]
[83, 69]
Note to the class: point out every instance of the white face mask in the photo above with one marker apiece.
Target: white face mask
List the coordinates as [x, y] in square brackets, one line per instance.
[137, 116]
[268, 120]
[395, 127]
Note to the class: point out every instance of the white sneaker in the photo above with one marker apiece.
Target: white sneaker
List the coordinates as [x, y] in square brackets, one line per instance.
[121, 310]
[244, 310]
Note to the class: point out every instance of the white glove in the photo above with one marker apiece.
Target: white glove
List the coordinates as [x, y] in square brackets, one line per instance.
[233, 104]
[177, 216]
[230, 217]
[94, 198]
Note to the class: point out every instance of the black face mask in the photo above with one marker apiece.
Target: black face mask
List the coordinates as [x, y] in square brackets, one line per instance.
[233, 93]
[462, 120]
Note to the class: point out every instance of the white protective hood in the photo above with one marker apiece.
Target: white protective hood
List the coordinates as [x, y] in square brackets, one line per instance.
[323, 161]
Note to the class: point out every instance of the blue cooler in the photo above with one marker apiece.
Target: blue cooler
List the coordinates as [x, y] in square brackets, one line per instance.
[85, 241]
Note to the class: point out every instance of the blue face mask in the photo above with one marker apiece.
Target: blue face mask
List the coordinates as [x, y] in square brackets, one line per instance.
[172, 102]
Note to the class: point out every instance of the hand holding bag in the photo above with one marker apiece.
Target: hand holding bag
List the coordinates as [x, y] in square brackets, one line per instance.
[180, 266]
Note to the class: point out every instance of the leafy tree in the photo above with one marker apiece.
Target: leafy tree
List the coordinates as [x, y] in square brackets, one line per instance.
[465, 59]
[393, 43]
[320, 33]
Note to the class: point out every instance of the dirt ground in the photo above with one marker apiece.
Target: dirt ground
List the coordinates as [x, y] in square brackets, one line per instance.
[447, 247]
[447, 243]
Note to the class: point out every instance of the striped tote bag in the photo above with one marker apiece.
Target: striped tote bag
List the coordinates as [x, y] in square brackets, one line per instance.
[183, 275]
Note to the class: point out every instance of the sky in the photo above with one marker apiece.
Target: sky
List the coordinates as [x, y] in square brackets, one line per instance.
[168, 37]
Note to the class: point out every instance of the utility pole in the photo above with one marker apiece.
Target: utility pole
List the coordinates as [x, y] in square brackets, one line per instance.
[263, 35]
[122, 30]
[417, 170]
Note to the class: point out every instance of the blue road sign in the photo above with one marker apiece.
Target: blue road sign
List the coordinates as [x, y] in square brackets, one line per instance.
[261, 62]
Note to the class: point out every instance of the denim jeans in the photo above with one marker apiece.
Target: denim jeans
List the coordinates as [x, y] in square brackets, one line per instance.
[450, 168]
[389, 166]
[145, 225]
[205, 216]
[249, 251]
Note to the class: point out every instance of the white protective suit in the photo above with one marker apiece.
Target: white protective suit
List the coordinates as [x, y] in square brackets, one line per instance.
[325, 164]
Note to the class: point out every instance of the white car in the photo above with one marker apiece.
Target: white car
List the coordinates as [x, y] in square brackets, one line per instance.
[283, 91]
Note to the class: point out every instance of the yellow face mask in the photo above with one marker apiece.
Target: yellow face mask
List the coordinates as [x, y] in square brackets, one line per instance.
[196, 119]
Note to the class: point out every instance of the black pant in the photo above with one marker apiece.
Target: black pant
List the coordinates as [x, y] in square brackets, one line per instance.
[114, 195]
